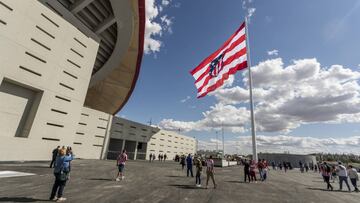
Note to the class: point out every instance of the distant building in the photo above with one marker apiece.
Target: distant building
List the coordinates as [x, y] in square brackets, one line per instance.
[292, 158]
[140, 140]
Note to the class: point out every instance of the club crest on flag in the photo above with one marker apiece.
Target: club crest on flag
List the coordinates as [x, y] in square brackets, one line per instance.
[216, 65]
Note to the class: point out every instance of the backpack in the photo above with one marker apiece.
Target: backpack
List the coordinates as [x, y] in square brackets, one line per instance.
[327, 169]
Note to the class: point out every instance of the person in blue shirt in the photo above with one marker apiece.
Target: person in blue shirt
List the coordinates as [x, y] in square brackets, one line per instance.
[189, 164]
[61, 170]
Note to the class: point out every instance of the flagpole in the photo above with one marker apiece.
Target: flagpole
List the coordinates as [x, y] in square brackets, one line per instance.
[253, 132]
[223, 145]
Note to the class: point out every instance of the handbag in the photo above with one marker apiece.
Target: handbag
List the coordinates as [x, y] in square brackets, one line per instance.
[63, 176]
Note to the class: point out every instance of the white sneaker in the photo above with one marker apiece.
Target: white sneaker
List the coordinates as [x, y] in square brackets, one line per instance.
[61, 199]
[198, 185]
[117, 179]
[122, 177]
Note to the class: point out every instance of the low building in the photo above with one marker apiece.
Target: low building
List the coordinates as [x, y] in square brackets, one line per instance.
[293, 159]
[140, 140]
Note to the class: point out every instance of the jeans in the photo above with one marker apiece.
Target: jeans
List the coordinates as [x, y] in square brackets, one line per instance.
[208, 175]
[343, 178]
[198, 178]
[247, 174]
[189, 168]
[264, 175]
[261, 174]
[58, 187]
[353, 182]
[253, 176]
[327, 180]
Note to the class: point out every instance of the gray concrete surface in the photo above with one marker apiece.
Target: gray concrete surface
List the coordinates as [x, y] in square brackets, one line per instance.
[92, 181]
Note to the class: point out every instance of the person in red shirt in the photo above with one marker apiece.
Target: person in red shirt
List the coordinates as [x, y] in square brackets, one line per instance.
[252, 171]
[120, 162]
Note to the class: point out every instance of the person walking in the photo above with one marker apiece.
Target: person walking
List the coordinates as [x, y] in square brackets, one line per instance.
[285, 166]
[265, 170]
[343, 176]
[198, 166]
[246, 171]
[54, 155]
[159, 157]
[153, 157]
[150, 157]
[260, 166]
[273, 165]
[61, 171]
[165, 157]
[120, 162]
[210, 172]
[333, 174]
[326, 172]
[189, 164]
[182, 162]
[69, 151]
[354, 177]
[252, 171]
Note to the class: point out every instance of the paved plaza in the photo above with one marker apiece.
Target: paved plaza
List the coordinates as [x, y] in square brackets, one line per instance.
[93, 181]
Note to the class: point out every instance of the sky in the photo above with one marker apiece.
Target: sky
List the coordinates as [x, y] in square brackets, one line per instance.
[305, 61]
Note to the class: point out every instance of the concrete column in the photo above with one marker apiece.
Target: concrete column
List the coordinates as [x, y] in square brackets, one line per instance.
[106, 139]
[136, 146]
[123, 145]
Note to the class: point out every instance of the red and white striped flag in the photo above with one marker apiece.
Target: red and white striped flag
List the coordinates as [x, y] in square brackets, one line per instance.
[216, 68]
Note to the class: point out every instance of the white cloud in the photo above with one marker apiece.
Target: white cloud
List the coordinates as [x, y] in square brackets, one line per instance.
[285, 97]
[248, 9]
[156, 25]
[185, 99]
[165, 2]
[251, 12]
[281, 143]
[273, 52]
[231, 118]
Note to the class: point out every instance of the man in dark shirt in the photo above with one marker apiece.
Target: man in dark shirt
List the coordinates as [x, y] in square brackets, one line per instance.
[189, 163]
[54, 155]
[246, 171]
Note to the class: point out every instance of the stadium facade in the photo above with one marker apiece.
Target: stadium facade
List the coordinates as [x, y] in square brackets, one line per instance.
[67, 66]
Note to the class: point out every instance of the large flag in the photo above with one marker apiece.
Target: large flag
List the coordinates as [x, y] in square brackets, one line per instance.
[216, 68]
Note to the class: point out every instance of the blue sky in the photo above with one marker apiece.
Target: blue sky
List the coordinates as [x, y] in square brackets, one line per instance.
[326, 31]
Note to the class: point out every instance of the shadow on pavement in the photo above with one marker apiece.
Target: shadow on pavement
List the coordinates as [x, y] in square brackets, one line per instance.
[21, 199]
[104, 179]
[325, 190]
[235, 181]
[186, 186]
[175, 176]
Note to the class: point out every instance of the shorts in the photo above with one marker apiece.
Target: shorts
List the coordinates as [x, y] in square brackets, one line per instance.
[121, 168]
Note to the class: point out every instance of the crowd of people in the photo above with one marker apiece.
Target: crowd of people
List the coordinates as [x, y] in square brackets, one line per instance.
[339, 173]
[250, 167]
[161, 157]
[199, 162]
[62, 157]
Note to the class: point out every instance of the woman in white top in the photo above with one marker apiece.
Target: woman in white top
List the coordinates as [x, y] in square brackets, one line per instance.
[354, 177]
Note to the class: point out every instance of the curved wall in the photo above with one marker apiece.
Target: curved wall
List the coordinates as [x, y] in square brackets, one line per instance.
[112, 86]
